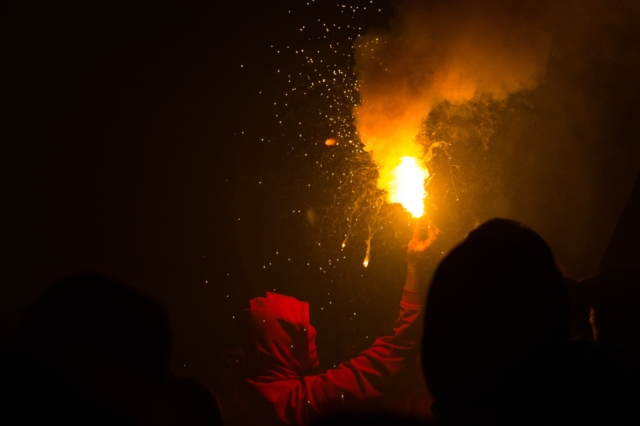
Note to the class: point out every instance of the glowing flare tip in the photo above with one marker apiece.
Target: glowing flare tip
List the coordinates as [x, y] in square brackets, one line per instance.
[407, 186]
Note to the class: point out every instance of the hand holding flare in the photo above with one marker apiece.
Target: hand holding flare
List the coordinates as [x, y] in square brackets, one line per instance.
[415, 251]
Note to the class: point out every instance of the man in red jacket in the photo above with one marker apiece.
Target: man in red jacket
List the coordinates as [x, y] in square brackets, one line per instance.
[280, 347]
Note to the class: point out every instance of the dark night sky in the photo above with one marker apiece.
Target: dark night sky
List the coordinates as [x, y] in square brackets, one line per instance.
[122, 151]
[118, 145]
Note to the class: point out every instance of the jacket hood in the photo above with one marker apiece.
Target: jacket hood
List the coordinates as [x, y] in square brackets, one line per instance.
[277, 336]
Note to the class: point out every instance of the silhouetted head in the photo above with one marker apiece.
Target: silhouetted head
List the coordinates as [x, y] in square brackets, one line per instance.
[615, 314]
[99, 314]
[493, 299]
[277, 336]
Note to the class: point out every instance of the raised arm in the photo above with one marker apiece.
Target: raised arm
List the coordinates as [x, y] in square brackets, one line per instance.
[415, 252]
[364, 376]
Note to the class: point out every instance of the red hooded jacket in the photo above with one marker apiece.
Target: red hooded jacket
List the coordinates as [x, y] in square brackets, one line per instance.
[281, 347]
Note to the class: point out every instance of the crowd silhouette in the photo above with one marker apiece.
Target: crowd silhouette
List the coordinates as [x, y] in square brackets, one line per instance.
[501, 338]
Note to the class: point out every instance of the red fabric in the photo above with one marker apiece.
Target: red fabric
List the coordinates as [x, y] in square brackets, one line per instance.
[282, 347]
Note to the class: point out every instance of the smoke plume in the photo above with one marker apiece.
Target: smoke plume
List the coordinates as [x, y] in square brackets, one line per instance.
[438, 51]
[552, 84]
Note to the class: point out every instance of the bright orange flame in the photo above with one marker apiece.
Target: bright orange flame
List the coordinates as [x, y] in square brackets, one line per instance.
[407, 185]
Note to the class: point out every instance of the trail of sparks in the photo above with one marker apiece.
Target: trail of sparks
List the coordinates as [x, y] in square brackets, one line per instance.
[314, 118]
[325, 86]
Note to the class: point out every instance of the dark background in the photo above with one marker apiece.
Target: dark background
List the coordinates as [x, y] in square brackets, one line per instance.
[132, 143]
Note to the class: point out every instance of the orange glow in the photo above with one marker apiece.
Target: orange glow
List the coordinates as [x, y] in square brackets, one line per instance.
[406, 185]
[330, 142]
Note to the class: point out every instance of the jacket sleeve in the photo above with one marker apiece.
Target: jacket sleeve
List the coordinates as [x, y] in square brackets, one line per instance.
[364, 376]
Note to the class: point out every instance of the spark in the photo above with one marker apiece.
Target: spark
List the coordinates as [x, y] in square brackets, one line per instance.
[365, 263]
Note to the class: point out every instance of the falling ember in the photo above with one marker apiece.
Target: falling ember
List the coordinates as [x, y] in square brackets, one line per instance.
[330, 142]
[367, 256]
[407, 185]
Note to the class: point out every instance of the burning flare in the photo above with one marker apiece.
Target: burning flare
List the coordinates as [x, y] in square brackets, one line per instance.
[451, 51]
[407, 185]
